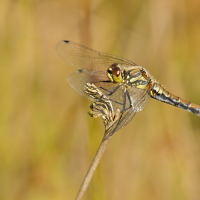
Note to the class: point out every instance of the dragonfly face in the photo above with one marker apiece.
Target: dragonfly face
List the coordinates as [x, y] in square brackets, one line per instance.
[127, 85]
[114, 73]
[135, 77]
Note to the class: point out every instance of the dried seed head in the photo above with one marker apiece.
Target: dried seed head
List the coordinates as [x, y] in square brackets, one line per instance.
[101, 107]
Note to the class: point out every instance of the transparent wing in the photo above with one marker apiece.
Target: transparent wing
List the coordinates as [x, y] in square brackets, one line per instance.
[139, 103]
[139, 99]
[78, 79]
[83, 57]
[92, 67]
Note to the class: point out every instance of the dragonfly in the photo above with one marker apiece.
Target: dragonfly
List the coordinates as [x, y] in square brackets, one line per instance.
[127, 85]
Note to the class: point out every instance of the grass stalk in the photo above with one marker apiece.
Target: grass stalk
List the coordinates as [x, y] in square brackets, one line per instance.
[93, 166]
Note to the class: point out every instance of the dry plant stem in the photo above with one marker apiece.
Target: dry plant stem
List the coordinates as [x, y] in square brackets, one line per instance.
[93, 166]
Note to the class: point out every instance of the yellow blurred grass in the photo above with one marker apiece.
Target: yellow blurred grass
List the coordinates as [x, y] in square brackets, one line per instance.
[47, 140]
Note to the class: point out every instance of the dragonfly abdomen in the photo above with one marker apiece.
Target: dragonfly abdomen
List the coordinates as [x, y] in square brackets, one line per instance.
[161, 94]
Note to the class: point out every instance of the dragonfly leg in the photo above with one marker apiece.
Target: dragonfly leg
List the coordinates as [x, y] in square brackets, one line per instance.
[124, 100]
[129, 98]
[126, 93]
[124, 104]
[112, 91]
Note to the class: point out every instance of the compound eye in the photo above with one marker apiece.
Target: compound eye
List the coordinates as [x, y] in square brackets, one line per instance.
[116, 71]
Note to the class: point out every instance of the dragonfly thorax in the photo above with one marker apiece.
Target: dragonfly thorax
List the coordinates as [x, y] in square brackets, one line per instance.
[136, 77]
[114, 73]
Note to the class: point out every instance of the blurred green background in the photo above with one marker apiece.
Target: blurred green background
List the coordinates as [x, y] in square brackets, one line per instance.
[47, 139]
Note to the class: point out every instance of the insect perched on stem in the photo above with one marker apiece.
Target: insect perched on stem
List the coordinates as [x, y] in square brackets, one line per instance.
[126, 85]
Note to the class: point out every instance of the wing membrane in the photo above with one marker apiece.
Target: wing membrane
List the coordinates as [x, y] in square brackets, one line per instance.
[78, 79]
[92, 67]
[139, 98]
[83, 57]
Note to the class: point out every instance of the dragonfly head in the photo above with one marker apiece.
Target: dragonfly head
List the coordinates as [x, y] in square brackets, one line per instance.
[114, 73]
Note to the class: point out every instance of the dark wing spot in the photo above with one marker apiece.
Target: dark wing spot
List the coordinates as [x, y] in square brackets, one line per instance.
[79, 71]
[65, 41]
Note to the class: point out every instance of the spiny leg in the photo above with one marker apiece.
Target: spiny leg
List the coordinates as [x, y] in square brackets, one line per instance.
[129, 98]
[124, 99]
[126, 93]
[112, 91]
[132, 112]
